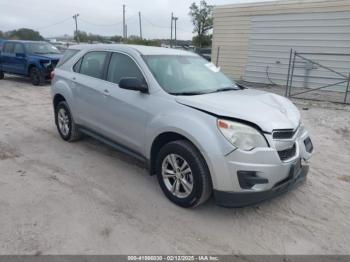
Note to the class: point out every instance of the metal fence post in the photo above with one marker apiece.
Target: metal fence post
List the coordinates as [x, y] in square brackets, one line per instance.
[292, 74]
[288, 75]
[347, 90]
[217, 56]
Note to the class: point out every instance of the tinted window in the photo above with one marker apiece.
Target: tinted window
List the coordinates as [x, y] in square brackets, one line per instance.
[92, 64]
[122, 66]
[19, 49]
[68, 54]
[8, 48]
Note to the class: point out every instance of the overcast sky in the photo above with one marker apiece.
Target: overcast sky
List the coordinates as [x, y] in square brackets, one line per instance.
[104, 17]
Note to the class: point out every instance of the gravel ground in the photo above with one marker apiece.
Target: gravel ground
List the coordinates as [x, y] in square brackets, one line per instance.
[86, 198]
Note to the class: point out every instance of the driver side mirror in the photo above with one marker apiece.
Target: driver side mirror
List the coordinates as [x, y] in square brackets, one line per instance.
[133, 83]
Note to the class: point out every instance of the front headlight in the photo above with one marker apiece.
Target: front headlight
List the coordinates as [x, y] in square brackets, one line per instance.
[242, 136]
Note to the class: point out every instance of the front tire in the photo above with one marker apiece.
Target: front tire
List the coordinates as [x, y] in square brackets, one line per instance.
[66, 127]
[183, 174]
[36, 77]
[2, 75]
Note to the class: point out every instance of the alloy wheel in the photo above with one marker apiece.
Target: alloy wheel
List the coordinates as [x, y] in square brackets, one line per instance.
[177, 176]
[63, 121]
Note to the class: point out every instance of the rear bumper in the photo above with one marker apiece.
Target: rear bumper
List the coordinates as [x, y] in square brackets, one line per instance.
[241, 199]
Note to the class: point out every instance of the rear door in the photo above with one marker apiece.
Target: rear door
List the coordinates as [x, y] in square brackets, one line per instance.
[88, 90]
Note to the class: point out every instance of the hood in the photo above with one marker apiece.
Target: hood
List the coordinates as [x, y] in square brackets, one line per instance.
[48, 56]
[268, 111]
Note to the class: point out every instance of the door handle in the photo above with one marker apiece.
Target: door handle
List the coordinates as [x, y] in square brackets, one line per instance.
[74, 78]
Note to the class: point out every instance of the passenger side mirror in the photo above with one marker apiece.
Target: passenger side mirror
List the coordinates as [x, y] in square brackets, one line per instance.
[133, 83]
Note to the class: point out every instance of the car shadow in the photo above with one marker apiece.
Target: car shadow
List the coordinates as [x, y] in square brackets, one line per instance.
[22, 79]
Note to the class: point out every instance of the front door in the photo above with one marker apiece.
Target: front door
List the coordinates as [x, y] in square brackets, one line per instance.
[125, 110]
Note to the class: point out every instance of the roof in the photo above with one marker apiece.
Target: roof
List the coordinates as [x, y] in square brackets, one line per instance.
[144, 50]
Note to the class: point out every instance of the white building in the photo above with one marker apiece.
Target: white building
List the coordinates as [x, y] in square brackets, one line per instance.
[255, 40]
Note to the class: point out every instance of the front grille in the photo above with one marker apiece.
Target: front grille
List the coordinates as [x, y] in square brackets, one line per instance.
[283, 134]
[287, 153]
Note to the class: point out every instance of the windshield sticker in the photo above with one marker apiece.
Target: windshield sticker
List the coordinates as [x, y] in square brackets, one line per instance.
[212, 67]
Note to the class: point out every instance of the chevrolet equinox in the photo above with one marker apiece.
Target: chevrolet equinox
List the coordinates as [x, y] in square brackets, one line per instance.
[198, 131]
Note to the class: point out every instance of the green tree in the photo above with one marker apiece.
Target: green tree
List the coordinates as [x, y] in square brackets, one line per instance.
[136, 40]
[116, 38]
[204, 41]
[83, 36]
[24, 34]
[202, 20]
[1, 34]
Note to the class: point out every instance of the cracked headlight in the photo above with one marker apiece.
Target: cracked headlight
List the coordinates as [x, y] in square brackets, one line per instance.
[241, 136]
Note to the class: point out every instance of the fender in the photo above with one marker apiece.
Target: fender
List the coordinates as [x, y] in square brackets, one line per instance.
[62, 88]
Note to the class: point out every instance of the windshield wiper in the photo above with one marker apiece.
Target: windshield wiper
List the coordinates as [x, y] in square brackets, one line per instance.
[188, 93]
[224, 89]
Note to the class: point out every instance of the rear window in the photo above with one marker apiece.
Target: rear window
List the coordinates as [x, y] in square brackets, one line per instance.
[68, 54]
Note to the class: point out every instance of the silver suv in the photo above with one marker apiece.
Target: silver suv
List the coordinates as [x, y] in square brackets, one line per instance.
[198, 131]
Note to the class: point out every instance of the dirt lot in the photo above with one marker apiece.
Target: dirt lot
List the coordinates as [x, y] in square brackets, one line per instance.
[86, 198]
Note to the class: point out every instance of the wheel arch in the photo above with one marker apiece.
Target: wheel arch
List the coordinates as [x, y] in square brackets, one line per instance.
[30, 66]
[56, 100]
[159, 142]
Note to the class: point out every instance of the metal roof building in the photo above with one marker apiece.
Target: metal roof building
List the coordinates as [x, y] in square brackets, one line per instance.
[253, 42]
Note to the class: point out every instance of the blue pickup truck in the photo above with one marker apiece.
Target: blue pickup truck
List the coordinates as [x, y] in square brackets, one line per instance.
[34, 59]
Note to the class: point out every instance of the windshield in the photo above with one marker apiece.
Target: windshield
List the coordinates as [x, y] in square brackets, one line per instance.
[41, 48]
[188, 75]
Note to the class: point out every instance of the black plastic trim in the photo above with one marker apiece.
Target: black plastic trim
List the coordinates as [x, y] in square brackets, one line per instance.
[230, 199]
[113, 144]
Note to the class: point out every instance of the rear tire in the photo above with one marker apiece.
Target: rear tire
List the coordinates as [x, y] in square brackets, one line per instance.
[66, 127]
[2, 75]
[182, 162]
[36, 77]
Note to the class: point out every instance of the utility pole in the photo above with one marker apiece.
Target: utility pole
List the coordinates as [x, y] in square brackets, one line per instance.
[75, 17]
[175, 20]
[140, 25]
[171, 30]
[124, 33]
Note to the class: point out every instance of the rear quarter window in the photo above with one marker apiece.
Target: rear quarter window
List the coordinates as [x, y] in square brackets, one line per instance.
[68, 54]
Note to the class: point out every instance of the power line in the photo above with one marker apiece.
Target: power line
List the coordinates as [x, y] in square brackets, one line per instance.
[165, 27]
[54, 24]
[106, 25]
[102, 25]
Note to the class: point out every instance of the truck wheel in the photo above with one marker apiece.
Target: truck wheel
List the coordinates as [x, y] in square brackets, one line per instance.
[2, 75]
[66, 127]
[36, 76]
[183, 174]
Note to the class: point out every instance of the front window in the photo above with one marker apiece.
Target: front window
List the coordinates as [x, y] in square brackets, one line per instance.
[122, 66]
[41, 48]
[188, 75]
